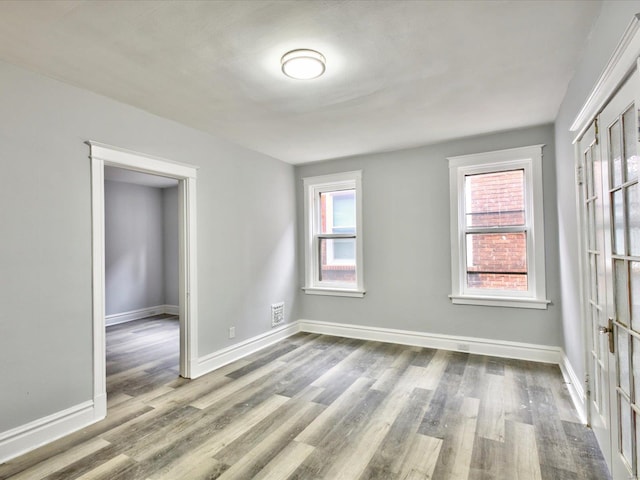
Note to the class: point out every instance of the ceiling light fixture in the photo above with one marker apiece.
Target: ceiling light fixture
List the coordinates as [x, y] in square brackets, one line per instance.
[303, 64]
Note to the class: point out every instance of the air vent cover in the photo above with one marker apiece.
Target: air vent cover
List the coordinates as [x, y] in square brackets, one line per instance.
[277, 314]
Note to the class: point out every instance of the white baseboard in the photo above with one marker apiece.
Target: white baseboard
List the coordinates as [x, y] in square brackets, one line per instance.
[123, 317]
[34, 434]
[575, 387]
[172, 309]
[235, 352]
[482, 346]
[100, 407]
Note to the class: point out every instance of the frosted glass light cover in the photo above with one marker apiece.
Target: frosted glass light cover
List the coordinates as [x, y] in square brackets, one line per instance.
[303, 64]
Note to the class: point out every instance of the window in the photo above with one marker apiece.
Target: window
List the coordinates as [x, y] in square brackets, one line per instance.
[333, 240]
[497, 228]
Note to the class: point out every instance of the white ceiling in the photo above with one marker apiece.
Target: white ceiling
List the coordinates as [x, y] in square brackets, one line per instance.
[399, 73]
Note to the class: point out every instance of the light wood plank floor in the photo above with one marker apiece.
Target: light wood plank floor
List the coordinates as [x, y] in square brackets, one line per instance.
[319, 407]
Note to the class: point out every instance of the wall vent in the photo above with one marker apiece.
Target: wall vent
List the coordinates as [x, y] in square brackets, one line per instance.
[277, 314]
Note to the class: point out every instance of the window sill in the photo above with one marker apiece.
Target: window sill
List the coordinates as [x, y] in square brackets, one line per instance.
[335, 292]
[513, 302]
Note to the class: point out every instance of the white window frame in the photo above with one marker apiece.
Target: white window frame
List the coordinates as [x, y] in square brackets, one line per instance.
[313, 187]
[528, 159]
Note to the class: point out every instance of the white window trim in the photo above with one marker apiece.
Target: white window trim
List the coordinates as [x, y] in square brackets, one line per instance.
[313, 186]
[527, 158]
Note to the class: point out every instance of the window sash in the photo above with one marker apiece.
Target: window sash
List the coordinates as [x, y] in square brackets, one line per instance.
[466, 230]
[503, 291]
[331, 262]
[494, 172]
[332, 198]
[332, 265]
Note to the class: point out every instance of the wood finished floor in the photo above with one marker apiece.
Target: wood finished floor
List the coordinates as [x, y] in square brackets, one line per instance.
[319, 407]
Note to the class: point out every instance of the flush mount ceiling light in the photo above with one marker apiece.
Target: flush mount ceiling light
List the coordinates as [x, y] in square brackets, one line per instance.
[303, 64]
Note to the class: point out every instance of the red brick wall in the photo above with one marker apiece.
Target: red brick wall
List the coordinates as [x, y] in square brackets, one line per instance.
[338, 273]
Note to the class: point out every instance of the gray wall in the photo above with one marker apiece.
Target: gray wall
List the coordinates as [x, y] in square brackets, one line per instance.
[605, 35]
[134, 247]
[407, 250]
[170, 229]
[246, 217]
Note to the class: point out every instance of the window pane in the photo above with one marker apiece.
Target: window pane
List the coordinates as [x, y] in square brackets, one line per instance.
[632, 159]
[634, 290]
[623, 361]
[621, 296]
[595, 336]
[637, 424]
[625, 427]
[593, 277]
[633, 219]
[497, 261]
[615, 156]
[338, 212]
[591, 225]
[344, 249]
[338, 260]
[495, 199]
[588, 167]
[635, 368]
[618, 223]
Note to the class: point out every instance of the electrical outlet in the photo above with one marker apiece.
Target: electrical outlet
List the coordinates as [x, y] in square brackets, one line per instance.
[277, 314]
[232, 332]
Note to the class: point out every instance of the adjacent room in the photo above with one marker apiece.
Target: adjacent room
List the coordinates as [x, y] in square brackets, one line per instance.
[343, 239]
[141, 281]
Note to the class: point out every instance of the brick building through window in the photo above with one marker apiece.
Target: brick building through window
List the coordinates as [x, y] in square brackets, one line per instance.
[496, 260]
[338, 255]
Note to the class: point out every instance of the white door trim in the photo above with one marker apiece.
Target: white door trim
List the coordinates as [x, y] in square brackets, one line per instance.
[104, 155]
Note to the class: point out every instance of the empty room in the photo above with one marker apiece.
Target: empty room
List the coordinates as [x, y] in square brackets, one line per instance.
[337, 239]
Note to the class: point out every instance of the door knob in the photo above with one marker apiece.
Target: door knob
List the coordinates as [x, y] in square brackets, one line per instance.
[603, 330]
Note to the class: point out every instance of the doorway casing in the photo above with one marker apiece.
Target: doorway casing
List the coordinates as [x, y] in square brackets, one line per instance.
[102, 155]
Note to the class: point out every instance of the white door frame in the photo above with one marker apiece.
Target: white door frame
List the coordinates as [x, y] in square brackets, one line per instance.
[104, 155]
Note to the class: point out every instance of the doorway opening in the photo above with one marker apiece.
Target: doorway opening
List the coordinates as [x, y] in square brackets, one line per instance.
[103, 156]
[142, 307]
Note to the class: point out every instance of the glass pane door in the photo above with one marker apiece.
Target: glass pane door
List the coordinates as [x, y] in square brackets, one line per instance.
[594, 292]
[619, 138]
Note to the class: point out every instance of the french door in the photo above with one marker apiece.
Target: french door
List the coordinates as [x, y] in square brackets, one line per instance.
[594, 291]
[610, 204]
